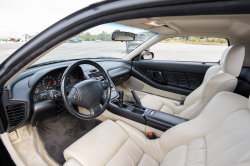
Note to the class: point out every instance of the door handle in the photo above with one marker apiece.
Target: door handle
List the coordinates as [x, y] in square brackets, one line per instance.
[156, 76]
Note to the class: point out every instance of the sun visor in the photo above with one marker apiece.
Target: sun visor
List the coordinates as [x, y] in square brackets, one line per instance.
[163, 30]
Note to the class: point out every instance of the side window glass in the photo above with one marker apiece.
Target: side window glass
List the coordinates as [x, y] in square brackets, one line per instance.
[188, 48]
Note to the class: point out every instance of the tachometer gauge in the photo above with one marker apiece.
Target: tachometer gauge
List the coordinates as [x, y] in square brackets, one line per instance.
[37, 90]
[48, 82]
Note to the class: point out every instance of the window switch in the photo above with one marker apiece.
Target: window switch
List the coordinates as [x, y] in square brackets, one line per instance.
[152, 113]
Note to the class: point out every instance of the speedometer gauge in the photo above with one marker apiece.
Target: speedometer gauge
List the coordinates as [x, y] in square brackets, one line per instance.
[48, 82]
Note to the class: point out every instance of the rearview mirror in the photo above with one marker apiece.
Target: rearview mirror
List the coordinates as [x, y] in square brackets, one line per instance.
[147, 55]
[122, 36]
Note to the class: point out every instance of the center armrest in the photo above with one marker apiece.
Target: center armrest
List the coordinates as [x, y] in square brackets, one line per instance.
[161, 120]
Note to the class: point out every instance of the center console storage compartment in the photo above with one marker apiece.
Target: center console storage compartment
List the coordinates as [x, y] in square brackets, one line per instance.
[161, 121]
[127, 111]
[136, 112]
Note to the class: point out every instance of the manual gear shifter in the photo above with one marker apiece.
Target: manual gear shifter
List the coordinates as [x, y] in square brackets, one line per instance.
[121, 92]
[137, 100]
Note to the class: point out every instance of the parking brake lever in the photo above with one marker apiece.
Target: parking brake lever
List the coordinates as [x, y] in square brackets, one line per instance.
[137, 100]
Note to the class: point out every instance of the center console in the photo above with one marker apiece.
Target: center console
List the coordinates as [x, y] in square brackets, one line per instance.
[162, 121]
[126, 109]
[136, 112]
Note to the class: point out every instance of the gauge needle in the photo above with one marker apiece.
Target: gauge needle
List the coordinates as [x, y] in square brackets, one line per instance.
[48, 84]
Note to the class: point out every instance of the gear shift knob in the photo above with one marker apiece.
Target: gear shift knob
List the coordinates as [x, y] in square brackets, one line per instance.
[137, 100]
[121, 93]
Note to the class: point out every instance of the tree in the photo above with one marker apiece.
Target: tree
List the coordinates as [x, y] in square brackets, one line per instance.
[25, 36]
[104, 36]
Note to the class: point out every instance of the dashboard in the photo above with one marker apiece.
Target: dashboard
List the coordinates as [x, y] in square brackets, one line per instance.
[52, 80]
[26, 89]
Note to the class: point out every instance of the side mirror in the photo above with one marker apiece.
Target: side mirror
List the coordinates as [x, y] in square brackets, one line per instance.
[122, 36]
[147, 55]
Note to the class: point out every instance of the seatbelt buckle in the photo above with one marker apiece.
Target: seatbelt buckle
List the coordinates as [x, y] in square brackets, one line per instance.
[183, 100]
[151, 135]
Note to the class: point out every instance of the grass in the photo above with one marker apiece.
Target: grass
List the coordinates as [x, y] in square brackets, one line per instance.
[200, 43]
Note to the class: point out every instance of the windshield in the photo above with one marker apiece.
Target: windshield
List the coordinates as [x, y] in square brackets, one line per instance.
[20, 21]
[96, 43]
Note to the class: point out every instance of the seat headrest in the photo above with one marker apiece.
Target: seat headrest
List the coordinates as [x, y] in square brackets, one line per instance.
[232, 60]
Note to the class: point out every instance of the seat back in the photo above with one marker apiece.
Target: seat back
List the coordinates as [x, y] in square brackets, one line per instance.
[217, 79]
[219, 135]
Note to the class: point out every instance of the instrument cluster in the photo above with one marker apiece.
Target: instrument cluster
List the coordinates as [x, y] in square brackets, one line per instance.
[52, 81]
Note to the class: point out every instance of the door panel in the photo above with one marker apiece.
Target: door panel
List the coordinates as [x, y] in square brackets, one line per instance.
[183, 80]
[177, 77]
[134, 83]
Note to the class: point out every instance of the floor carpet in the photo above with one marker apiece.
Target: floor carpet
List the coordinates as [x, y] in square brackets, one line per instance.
[58, 132]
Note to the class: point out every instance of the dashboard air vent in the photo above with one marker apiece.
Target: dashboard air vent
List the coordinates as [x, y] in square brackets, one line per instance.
[16, 113]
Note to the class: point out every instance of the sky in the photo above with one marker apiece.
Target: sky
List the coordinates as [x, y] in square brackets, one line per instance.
[18, 17]
[111, 27]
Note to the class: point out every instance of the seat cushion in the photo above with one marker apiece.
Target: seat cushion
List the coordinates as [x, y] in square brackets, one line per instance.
[129, 154]
[114, 143]
[72, 162]
[229, 142]
[148, 161]
[160, 104]
[102, 142]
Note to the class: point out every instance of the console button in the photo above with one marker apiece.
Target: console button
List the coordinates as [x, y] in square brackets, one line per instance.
[152, 113]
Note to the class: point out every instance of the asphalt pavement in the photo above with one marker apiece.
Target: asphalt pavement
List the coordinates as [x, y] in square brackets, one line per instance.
[162, 51]
[6, 49]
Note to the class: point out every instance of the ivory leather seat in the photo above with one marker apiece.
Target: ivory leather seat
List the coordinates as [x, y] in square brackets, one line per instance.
[218, 136]
[217, 79]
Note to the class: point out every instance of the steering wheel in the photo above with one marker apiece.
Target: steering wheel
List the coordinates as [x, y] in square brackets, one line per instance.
[87, 93]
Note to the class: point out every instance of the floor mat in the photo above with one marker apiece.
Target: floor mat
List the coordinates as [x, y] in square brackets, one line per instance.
[57, 133]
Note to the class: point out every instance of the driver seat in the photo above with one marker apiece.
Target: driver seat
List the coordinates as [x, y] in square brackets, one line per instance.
[218, 136]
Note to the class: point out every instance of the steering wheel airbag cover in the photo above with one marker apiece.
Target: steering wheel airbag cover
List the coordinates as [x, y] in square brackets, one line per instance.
[86, 94]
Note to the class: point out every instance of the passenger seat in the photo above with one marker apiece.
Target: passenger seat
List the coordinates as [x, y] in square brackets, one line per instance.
[217, 79]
